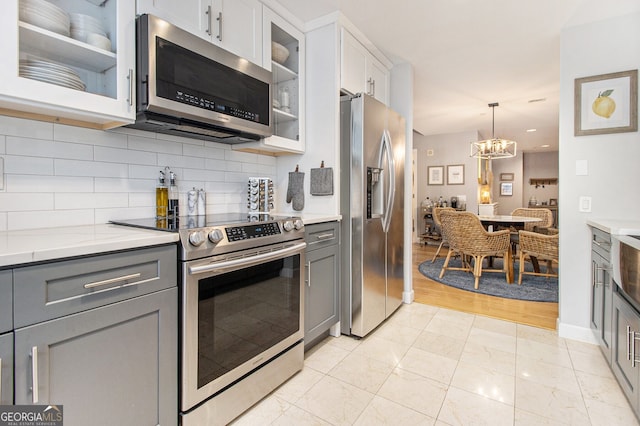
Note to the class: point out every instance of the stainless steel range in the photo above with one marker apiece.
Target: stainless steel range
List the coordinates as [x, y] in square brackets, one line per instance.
[242, 310]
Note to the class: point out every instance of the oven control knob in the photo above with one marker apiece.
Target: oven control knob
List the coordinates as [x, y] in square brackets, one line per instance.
[215, 236]
[287, 225]
[298, 224]
[196, 238]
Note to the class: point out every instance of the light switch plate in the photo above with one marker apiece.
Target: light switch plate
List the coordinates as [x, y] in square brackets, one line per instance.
[585, 204]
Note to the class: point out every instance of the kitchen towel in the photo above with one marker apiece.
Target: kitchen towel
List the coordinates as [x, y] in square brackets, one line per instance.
[321, 182]
[295, 190]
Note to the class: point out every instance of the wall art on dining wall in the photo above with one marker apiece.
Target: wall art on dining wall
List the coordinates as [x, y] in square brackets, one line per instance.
[435, 175]
[606, 103]
[455, 174]
[506, 176]
[506, 189]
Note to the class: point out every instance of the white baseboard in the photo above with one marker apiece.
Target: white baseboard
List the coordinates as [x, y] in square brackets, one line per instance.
[408, 296]
[573, 332]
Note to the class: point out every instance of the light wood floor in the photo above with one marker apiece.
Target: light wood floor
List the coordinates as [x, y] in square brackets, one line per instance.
[429, 292]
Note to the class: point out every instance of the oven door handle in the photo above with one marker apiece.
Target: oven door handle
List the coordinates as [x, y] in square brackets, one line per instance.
[246, 261]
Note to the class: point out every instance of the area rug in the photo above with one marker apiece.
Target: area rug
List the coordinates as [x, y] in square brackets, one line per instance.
[533, 288]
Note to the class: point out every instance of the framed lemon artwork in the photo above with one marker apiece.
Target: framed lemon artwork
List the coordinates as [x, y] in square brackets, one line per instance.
[606, 103]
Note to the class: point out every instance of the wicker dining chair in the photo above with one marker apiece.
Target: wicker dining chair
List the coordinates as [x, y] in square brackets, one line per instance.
[467, 237]
[545, 214]
[540, 246]
[438, 224]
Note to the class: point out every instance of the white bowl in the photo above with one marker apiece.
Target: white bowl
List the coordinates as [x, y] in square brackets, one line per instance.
[279, 53]
[99, 41]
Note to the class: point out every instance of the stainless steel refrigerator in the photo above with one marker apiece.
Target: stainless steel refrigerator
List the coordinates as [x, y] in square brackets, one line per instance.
[371, 203]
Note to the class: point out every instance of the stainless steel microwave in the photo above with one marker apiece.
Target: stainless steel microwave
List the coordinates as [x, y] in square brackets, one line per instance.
[190, 87]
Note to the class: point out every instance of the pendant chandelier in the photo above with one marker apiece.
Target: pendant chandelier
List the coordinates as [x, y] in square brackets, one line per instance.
[493, 148]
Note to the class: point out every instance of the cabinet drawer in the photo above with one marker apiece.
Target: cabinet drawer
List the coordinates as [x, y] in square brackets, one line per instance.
[6, 301]
[320, 235]
[601, 243]
[52, 290]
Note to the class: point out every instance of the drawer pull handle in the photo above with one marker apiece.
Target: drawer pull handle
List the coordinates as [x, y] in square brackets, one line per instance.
[112, 280]
[325, 236]
[34, 374]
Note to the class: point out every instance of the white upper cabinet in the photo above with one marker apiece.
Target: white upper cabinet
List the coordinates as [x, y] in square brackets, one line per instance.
[360, 71]
[284, 55]
[51, 71]
[235, 25]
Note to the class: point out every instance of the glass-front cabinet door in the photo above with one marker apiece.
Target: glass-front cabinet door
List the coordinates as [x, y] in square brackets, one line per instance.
[284, 55]
[69, 60]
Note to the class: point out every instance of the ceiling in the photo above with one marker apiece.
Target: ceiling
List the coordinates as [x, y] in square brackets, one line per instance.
[469, 53]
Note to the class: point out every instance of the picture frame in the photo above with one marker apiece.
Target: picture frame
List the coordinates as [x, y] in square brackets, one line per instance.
[435, 175]
[553, 201]
[455, 174]
[506, 189]
[506, 176]
[606, 103]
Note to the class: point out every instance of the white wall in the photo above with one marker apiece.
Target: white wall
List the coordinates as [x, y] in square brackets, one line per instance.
[59, 175]
[507, 203]
[613, 172]
[448, 149]
[540, 165]
[402, 102]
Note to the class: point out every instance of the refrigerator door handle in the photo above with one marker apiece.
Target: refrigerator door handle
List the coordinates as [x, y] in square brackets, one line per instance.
[386, 146]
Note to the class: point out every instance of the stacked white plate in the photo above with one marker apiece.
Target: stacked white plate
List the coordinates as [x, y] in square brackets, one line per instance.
[83, 25]
[50, 72]
[45, 15]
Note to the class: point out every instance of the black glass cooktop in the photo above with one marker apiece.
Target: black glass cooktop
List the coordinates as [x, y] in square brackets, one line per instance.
[193, 222]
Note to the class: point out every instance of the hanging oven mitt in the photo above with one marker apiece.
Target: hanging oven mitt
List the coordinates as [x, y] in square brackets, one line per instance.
[295, 190]
[321, 181]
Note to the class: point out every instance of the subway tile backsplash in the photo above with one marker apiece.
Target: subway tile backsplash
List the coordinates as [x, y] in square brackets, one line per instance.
[58, 175]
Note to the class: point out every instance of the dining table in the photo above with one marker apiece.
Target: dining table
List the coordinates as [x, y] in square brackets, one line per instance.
[506, 221]
[510, 222]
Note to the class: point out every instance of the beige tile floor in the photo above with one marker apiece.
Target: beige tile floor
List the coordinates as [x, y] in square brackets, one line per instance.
[433, 366]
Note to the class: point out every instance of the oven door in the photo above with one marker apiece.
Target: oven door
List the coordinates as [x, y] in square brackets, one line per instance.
[239, 311]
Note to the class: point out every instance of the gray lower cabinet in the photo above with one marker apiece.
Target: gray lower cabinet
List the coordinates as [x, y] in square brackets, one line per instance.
[99, 336]
[322, 289]
[6, 301]
[6, 337]
[625, 361]
[6, 369]
[601, 291]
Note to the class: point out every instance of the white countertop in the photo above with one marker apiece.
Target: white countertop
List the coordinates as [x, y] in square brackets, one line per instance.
[34, 245]
[616, 226]
[309, 219]
[628, 240]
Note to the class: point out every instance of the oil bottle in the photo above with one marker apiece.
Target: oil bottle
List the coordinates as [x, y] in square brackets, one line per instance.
[173, 197]
[162, 197]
